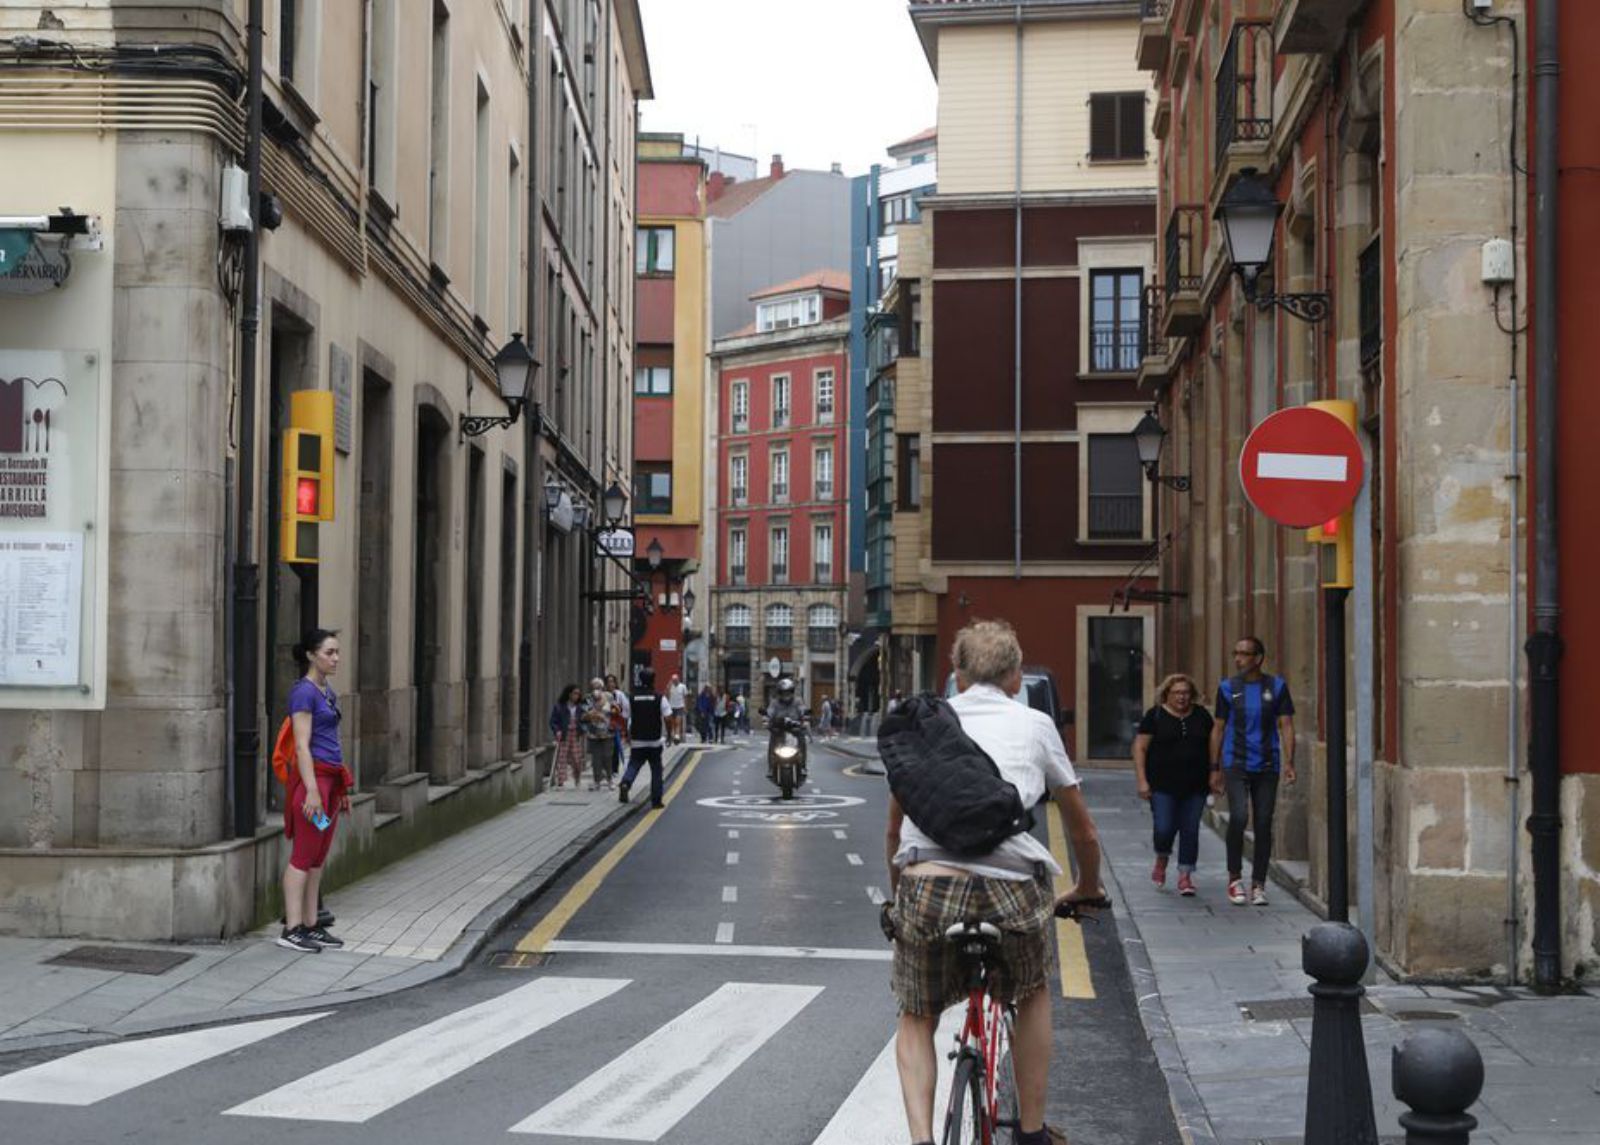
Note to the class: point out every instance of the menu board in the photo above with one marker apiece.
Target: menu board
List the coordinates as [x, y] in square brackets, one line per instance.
[41, 585]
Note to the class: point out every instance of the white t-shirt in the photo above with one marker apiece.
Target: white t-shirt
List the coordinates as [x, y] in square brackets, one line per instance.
[677, 694]
[1027, 749]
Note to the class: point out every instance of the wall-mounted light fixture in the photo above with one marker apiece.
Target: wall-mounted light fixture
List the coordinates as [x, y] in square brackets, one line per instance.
[1148, 438]
[513, 367]
[1249, 215]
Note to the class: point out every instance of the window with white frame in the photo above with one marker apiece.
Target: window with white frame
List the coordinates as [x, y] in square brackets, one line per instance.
[739, 478]
[822, 472]
[780, 401]
[736, 620]
[739, 406]
[653, 251]
[779, 467]
[823, 382]
[786, 313]
[822, 551]
[738, 553]
[822, 628]
[1116, 327]
[652, 381]
[780, 626]
[779, 550]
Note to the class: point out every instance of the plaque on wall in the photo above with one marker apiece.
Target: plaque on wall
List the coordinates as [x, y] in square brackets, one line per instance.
[343, 409]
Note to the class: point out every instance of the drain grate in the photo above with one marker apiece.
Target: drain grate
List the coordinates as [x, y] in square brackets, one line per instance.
[518, 960]
[1289, 1009]
[120, 959]
[1424, 1016]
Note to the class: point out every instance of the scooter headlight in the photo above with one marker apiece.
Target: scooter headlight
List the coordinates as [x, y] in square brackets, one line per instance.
[787, 752]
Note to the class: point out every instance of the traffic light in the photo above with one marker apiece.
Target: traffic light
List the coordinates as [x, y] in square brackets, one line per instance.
[1335, 538]
[306, 492]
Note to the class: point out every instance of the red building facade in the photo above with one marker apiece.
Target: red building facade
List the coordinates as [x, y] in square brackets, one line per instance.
[779, 560]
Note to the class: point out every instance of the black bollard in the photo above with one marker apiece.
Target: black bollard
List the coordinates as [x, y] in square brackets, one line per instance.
[1339, 1091]
[1439, 1073]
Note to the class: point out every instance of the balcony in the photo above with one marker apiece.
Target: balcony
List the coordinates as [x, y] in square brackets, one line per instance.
[740, 423]
[824, 490]
[822, 640]
[1155, 35]
[1115, 348]
[780, 417]
[1371, 303]
[780, 492]
[1244, 100]
[780, 572]
[1116, 516]
[1183, 270]
[822, 574]
[740, 495]
[1314, 25]
[1155, 366]
[736, 574]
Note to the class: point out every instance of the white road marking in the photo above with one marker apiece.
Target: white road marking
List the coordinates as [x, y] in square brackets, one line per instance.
[732, 833]
[733, 858]
[853, 859]
[724, 932]
[361, 1087]
[837, 953]
[873, 1113]
[730, 894]
[1302, 466]
[93, 1075]
[838, 834]
[876, 895]
[674, 1069]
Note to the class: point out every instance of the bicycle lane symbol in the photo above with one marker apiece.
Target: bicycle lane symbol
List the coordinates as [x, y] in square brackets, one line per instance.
[803, 810]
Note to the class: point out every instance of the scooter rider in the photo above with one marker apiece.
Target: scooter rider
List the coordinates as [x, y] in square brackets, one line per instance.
[785, 714]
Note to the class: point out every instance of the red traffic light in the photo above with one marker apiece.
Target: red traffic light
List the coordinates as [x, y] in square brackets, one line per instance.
[307, 496]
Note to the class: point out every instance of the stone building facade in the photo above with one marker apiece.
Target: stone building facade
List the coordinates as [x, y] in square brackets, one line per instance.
[400, 154]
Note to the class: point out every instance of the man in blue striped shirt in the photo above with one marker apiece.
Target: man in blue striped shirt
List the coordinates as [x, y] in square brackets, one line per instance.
[1252, 745]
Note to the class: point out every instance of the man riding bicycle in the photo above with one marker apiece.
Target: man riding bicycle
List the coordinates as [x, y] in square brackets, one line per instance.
[1009, 887]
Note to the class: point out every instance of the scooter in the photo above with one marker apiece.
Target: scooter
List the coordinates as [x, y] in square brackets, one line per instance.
[786, 755]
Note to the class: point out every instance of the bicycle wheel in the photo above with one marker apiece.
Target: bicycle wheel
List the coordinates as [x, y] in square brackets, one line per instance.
[964, 1119]
[1007, 1111]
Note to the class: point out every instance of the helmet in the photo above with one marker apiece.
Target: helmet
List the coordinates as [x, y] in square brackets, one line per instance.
[786, 686]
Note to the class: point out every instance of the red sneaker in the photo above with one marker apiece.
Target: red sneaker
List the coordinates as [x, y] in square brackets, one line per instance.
[1236, 893]
[1185, 884]
[1159, 874]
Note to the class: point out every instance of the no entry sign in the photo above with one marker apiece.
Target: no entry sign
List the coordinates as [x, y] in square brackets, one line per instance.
[1301, 467]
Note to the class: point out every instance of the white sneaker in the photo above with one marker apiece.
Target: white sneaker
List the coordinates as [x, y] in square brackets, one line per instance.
[1258, 896]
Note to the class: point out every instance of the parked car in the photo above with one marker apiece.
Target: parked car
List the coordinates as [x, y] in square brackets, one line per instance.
[1038, 692]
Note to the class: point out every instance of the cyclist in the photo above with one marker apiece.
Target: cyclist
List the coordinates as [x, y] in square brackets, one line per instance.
[1009, 887]
[785, 708]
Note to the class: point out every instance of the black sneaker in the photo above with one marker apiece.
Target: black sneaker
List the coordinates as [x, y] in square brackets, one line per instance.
[325, 917]
[622, 793]
[323, 939]
[298, 939]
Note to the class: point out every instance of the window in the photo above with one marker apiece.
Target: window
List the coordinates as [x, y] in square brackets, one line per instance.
[739, 404]
[780, 475]
[822, 628]
[652, 381]
[805, 310]
[780, 626]
[780, 554]
[823, 380]
[288, 37]
[514, 245]
[736, 625]
[381, 92]
[780, 401]
[480, 206]
[822, 471]
[822, 551]
[1116, 488]
[652, 489]
[909, 477]
[653, 250]
[1116, 125]
[739, 478]
[1115, 320]
[738, 552]
[439, 138]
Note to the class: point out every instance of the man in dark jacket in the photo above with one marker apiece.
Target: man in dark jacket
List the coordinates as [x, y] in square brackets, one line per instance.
[647, 722]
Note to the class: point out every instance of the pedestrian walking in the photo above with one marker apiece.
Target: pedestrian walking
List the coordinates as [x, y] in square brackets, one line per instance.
[825, 718]
[646, 732]
[705, 705]
[678, 697]
[1252, 746]
[568, 735]
[318, 790]
[1172, 760]
[719, 717]
[619, 722]
[596, 721]
[741, 714]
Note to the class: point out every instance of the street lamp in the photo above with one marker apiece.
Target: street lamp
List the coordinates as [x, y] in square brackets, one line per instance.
[654, 553]
[1249, 215]
[614, 503]
[688, 601]
[1148, 438]
[513, 367]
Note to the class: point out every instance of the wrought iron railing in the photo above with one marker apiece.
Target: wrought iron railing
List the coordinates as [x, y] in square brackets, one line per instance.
[1371, 302]
[1115, 347]
[1155, 343]
[1116, 516]
[1244, 88]
[1185, 248]
[736, 573]
[780, 573]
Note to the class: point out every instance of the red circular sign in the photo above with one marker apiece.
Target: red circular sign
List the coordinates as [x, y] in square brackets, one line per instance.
[1301, 467]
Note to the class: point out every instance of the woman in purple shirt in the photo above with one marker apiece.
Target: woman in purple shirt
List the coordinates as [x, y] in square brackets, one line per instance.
[317, 786]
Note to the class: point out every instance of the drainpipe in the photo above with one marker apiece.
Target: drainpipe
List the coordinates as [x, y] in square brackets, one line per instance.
[1016, 352]
[1544, 646]
[246, 573]
[533, 476]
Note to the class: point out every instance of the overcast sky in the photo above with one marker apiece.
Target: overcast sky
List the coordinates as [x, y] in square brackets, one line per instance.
[819, 81]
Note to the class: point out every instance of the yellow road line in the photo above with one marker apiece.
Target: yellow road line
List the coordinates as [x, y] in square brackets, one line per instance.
[551, 924]
[1076, 981]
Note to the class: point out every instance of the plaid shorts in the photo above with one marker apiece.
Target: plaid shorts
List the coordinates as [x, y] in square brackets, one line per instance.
[928, 974]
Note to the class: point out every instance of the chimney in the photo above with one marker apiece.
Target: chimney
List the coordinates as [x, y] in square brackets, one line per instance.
[777, 167]
[716, 186]
[837, 169]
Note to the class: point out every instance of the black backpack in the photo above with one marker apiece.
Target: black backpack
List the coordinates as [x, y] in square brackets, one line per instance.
[946, 784]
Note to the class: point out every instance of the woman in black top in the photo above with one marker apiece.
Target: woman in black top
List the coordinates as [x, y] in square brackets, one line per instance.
[1171, 757]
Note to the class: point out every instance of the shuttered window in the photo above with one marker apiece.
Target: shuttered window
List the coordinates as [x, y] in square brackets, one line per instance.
[1116, 125]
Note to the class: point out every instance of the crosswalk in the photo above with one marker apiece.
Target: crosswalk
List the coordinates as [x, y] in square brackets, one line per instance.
[668, 1074]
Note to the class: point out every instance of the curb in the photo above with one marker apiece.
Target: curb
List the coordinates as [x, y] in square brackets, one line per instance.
[1194, 1123]
[462, 951]
[873, 765]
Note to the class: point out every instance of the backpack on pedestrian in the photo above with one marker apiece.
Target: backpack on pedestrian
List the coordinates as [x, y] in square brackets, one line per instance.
[944, 782]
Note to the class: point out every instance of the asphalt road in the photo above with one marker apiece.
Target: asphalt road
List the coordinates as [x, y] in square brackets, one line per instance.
[713, 975]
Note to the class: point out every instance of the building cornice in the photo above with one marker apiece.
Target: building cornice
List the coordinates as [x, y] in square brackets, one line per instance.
[1115, 197]
[633, 48]
[833, 330]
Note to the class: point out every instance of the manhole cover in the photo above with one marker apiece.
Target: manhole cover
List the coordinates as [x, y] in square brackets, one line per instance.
[518, 960]
[1289, 1009]
[120, 959]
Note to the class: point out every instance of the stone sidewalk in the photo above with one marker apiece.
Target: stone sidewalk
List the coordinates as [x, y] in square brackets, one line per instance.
[416, 920]
[1238, 1080]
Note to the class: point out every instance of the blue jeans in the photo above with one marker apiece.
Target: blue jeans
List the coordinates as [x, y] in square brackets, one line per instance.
[1178, 816]
[638, 757]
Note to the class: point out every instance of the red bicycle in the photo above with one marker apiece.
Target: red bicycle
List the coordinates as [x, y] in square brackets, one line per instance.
[983, 1107]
